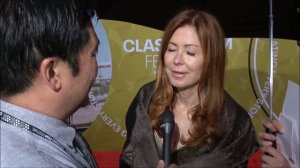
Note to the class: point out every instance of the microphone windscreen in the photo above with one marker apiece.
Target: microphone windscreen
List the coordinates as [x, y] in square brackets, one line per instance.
[167, 117]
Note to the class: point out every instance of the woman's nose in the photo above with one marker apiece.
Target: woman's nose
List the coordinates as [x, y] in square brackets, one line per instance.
[178, 60]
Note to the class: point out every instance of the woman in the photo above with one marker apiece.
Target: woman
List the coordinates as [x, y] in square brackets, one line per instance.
[211, 129]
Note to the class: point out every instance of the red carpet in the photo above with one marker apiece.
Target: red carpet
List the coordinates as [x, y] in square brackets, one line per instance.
[107, 159]
[110, 159]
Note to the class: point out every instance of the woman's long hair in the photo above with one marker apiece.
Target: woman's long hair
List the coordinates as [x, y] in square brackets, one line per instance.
[206, 114]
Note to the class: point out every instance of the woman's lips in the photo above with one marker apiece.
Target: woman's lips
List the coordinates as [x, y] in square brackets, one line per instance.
[178, 74]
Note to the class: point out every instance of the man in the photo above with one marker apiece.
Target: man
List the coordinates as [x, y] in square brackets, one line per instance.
[48, 64]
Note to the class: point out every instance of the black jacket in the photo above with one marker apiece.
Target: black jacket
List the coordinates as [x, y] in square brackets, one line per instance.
[238, 138]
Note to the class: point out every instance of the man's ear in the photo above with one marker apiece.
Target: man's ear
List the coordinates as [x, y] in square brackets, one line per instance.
[49, 72]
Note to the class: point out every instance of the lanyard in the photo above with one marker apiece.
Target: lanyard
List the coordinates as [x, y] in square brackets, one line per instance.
[21, 124]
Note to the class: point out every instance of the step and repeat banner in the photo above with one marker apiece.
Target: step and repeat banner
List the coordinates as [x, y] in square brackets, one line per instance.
[127, 59]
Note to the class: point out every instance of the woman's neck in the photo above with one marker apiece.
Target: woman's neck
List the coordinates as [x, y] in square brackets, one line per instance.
[187, 98]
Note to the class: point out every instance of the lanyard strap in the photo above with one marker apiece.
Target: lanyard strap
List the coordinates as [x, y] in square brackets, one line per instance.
[21, 124]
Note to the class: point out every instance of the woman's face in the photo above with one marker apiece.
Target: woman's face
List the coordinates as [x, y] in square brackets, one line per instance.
[183, 58]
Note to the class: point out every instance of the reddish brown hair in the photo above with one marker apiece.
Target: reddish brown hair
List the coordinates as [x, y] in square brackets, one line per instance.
[211, 84]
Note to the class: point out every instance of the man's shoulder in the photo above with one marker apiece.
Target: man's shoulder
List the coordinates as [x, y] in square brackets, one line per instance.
[21, 148]
[21, 158]
[18, 151]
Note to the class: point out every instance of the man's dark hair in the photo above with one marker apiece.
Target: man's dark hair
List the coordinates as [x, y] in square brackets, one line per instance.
[32, 30]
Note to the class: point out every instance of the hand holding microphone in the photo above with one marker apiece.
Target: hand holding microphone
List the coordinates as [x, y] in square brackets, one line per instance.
[167, 126]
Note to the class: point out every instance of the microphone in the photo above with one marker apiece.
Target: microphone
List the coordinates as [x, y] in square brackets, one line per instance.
[167, 126]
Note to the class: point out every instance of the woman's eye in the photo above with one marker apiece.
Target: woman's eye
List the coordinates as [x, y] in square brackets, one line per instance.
[191, 53]
[170, 50]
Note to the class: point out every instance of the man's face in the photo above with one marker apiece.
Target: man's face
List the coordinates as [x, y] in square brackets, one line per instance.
[77, 87]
